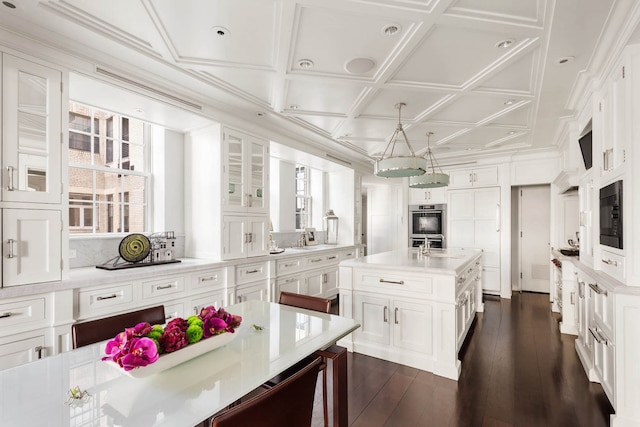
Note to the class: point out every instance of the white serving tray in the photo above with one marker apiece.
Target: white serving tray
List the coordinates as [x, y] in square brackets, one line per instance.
[169, 360]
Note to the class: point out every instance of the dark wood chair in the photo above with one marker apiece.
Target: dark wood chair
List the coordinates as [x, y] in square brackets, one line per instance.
[93, 331]
[288, 403]
[317, 304]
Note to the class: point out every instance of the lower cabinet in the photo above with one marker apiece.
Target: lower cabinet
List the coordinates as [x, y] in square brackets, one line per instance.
[199, 302]
[16, 350]
[252, 291]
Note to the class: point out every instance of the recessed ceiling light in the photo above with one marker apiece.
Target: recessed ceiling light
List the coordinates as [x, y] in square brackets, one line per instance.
[503, 44]
[305, 63]
[360, 65]
[564, 60]
[509, 102]
[220, 31]
[391, 29]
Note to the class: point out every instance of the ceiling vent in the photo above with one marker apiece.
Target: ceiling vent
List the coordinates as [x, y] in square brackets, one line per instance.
[146, 88]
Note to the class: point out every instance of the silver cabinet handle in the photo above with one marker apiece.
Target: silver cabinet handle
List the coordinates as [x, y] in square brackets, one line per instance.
[252, 271]
[597, 289]
[384, 314]
[332, 257]
[5, 315]
[41, 351]
[470, 177]
[195, 309]
[395, 315]
[100, 298]
[249, 200]
[10, 170]
[11, 243]
[580, 289]
[316, 260]
[399, 282]
[208, 279]
[164, 287]
[573, 298]
[498, 217]
[610, 262]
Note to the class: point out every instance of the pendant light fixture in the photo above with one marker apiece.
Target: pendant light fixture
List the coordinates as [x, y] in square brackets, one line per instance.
[431, 179]
[399, 166]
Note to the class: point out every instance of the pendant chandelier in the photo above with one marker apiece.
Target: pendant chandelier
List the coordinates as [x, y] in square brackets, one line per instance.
[399, 166]
[431, 179]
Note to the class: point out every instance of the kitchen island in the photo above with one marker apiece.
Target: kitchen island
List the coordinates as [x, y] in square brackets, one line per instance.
[414, 309]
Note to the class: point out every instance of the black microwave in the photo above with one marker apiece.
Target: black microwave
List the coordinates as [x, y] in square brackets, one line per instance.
[611, 215]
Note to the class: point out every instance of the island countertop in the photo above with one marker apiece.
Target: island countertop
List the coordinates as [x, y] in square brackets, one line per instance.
[447, 261]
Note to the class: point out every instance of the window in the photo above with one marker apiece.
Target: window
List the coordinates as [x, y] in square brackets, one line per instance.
[303, 198]
[108, 179]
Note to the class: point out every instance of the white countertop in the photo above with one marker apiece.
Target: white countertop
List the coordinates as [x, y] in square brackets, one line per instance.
[448, 261]
[92, 276]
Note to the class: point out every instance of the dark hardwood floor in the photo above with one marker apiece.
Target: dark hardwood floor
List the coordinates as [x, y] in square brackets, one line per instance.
[517, 370]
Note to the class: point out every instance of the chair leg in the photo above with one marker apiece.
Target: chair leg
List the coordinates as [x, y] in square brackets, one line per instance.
[324, 397]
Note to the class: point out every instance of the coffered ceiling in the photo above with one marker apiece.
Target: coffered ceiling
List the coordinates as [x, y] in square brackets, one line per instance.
[482, 75]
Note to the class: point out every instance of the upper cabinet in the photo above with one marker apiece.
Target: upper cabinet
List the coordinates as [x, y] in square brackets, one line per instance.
[476, 177]
[245, 167]
[419, 196]
[612, 117]
[31, 132]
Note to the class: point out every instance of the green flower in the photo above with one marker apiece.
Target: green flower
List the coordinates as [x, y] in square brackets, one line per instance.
[194, 333]
[194, 320]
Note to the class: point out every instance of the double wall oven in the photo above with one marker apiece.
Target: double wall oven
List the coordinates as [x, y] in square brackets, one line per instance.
[427, 223]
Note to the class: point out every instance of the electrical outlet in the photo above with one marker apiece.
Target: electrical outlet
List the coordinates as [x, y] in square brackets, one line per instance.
[72, 253]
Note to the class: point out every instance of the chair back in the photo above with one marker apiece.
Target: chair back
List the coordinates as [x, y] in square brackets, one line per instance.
[288, 403]
[93, 331]
[305, 301]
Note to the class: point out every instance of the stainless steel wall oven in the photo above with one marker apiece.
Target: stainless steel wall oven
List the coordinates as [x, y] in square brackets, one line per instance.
[428, 223]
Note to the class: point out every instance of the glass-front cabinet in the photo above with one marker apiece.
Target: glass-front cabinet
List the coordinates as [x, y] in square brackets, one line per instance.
[246, 169]
[31, 132]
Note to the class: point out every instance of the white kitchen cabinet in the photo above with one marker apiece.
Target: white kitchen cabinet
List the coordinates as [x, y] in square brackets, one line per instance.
[32, 246]
[604, 360]
[296, 284]
[16, 351]
[246, 167]
[586, 198]
[418, 196]
[477, 177]
[252, 291]
[245, 236]
[613, 117]
[31, 132]
[395, 322]
[323, 283]
[199, 302]
[474, 222]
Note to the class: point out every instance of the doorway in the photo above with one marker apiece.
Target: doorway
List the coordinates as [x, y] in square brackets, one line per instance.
[531, 222]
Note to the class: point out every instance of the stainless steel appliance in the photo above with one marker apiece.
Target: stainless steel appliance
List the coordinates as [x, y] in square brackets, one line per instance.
[611, 215]
[428, 223]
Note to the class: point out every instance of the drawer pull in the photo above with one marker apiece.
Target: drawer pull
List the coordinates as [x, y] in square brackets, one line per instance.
[100, 298]
[208, 279]
[5, 315]
[610, 262]
[332, 257]
[599, 338]
[395, 315]
[164, 287]
[597, 289]
[290, 265]
[316, 260]
[399, 282]
[10, 170]
[252, 271]
[11, 244]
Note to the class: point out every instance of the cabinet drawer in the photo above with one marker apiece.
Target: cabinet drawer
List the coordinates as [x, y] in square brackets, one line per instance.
[603, 306]
[348, 254]
[162, 287]
[18, 313]
[285, 266]
[371, 280]
[208, 279]
[320, 260]
[613, 265]
[251, 272]
[93, 302]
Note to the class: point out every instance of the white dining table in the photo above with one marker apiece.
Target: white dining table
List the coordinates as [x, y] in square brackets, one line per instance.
[36, 394]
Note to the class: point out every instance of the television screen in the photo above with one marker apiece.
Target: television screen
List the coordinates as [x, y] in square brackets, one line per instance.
[585, 148]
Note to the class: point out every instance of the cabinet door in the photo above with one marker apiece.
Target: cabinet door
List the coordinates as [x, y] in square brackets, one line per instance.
[254, 292]
[485, 176]
[330, 283]
[315, 284]
[427, 195]
[215, 299]
[257, 161]
[233, 169]
[32, 250]
[461, 178]
[411, 326]
[257, 242]
[295, 284]
[373, 315]
[22, 351]
[234, 237]
[31, 132]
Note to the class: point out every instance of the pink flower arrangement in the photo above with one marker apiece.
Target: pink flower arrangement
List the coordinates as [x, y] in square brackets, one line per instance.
[143, 344]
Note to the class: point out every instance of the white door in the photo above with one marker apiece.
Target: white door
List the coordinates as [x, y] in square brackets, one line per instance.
[373, 315]
[234, 235]
[258, 227]
[534, 221]
[31, 246]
